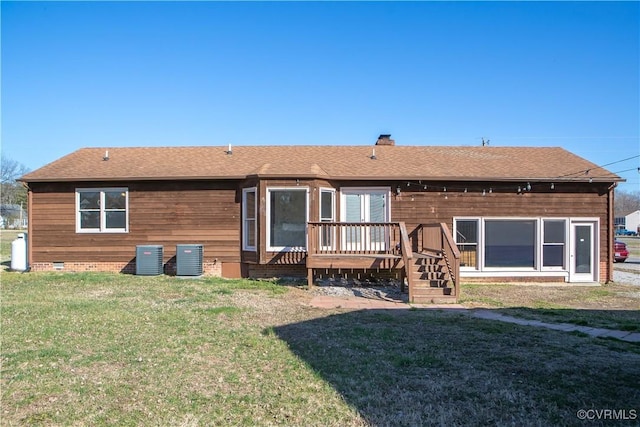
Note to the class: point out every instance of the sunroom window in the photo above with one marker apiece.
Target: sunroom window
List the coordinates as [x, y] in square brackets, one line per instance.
[516, 244]
[102, 210]
[510, 243]
[287, 218]
[467, 241]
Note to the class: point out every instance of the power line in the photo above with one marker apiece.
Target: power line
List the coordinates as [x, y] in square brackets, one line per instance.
[623, 171]
[620, 161]
[617, 172]
[586, 171]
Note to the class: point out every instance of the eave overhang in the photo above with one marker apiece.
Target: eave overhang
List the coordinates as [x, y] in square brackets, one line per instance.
[326, 177]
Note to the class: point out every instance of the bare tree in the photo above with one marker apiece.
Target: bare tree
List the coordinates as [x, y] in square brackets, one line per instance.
[10, 170]
[626, 202]
[12, 192]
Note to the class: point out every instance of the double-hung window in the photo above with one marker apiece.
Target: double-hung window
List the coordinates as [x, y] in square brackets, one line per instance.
[327, 214]
[553, 248]
[102, 210]
[249, 209]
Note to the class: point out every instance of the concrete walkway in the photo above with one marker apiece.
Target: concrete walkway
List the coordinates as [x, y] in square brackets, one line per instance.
[565, 327]
[358, 303]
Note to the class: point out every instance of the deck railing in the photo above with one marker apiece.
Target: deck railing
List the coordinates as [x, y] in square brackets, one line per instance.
[385, 243]
[353, 238]
[437, 239]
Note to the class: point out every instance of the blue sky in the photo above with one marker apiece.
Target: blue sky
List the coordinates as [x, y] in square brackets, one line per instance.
[84, 74]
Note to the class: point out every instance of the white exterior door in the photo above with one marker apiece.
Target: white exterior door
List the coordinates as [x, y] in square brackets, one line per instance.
[583, 266]
[364, 206]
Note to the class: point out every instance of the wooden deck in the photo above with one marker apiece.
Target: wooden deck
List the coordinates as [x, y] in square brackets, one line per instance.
[354, 261]
[432, 273]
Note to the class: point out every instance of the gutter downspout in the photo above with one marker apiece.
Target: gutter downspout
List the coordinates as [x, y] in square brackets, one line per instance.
[610, 232]
[29, 225]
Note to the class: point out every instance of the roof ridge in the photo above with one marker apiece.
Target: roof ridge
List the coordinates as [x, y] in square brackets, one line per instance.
[347, 162]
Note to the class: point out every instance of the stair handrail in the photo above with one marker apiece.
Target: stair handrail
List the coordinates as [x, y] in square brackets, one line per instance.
[450, 250]
[407, 257]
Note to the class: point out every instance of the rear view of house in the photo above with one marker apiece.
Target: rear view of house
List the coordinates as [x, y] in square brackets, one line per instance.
[432, 214]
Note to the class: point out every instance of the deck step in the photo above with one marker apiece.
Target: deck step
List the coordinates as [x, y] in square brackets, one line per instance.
[433, 268]
[427, 255]
[418, 276]
[429, 290]
[430, 284]
[442, 299]
[432, 295]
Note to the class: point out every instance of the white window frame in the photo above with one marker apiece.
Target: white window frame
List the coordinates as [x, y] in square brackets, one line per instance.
[594, 222]
[103, 219]
[365, 242]
[479, 237]
[536, 257]
[368, 190]
[565, 245]
[332, 192]
[245, 208]
[268, 220]
[539, 269]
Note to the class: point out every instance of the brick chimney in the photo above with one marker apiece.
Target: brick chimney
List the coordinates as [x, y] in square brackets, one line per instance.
[385, 140]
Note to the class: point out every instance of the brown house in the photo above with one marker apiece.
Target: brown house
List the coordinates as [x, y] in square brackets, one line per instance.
[431, 214]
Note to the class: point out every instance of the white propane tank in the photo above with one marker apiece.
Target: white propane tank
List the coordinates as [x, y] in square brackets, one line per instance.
[19, 253]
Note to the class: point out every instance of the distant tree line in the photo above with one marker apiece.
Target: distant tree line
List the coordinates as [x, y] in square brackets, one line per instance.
[626, 202]
[12, 193]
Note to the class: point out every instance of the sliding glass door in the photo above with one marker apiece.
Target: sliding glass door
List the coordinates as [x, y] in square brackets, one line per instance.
[364, 206]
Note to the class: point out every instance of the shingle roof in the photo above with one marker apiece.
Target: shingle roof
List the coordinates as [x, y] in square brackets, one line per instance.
[335, 162]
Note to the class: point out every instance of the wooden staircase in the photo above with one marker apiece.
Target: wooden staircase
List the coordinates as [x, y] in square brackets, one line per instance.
[432, 283]
[430, 260]
[433, 272]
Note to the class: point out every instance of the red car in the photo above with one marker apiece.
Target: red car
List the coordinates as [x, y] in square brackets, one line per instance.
[621, 252]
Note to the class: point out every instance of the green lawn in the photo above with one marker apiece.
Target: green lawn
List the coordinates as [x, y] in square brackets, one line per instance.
[102, 349]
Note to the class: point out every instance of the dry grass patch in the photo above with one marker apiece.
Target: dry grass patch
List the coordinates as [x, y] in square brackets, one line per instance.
[95, 349]
[612, 306]
[425, 367]
[99, 349]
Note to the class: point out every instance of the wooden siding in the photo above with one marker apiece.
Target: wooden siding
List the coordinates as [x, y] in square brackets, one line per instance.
[160, 213]
[209, 212]
[415, 205]
[566, 200]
